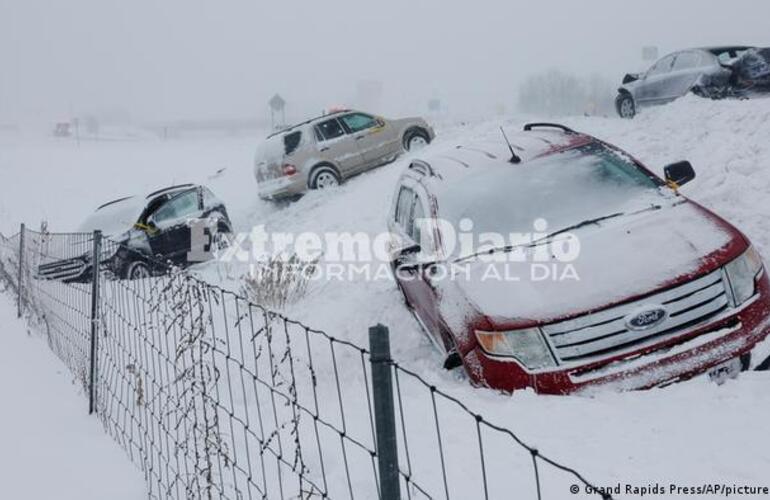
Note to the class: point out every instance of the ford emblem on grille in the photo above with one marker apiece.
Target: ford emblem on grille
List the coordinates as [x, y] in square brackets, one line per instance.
[646, 318]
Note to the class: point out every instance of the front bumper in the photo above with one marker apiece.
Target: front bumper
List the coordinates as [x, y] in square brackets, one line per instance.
[737, 332]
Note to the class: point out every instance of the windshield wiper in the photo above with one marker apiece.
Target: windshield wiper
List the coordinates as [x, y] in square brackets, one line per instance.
[549, 236]
[589, 222]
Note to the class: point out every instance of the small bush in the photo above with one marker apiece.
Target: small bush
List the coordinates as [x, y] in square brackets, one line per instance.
[278, 281]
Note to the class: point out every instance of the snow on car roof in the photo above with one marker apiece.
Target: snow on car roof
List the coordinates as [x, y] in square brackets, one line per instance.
[453, 163]
[115, 217]
[121, 214]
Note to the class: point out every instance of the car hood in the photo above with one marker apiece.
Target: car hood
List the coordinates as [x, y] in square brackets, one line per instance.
[115, 218]
[619, 259]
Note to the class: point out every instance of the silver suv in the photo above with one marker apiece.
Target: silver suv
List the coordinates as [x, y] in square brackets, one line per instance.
[325, 151]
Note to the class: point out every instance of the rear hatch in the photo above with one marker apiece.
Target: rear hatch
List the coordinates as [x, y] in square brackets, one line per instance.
[272, 155]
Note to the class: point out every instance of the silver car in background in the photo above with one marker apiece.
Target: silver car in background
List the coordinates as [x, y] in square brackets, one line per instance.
[324, 151]
[715, 72]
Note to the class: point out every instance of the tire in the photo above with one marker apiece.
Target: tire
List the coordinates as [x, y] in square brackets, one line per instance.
[221, 239]
[137, 270]
[416, 139]
[626, 106]
[324, 177]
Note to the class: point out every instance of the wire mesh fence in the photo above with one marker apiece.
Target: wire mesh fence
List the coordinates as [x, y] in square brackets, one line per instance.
[216, 397]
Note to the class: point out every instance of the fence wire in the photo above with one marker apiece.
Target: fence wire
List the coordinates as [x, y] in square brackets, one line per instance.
[216, 397]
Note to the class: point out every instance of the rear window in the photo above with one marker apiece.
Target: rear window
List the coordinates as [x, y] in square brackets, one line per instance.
[291, 142]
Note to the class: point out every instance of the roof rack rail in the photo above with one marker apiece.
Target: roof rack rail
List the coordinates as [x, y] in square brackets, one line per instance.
[530, 126]
[113, 202]
[297, 125]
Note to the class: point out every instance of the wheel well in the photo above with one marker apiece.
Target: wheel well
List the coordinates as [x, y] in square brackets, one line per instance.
[319, 166]
[414, 130]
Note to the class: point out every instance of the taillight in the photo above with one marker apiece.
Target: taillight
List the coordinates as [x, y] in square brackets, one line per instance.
[289, 169]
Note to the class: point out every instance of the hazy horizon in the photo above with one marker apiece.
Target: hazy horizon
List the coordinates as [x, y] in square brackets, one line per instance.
[185, 59]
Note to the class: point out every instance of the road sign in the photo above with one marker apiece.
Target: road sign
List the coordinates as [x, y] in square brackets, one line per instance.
[277, 103]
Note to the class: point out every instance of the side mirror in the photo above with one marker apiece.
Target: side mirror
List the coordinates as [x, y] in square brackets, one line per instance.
[679, 174]
[632, 77]
[407, 258]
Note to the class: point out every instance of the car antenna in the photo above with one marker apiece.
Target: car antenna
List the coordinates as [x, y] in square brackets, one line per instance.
[514, 157]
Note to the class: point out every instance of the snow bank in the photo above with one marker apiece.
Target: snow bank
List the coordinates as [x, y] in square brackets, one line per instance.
[51, 447]
[690, 433]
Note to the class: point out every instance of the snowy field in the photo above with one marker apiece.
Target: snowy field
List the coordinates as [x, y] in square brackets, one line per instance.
[51, 448]
[689, 434]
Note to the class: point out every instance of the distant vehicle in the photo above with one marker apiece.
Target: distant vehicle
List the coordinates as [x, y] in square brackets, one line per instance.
[324, 151]
[62, 129]
[667, 290]
[716, 72]
[146, 235]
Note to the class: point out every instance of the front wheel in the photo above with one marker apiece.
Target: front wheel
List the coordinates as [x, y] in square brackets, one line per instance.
[137, 270]
[416, 140]
[626, 106]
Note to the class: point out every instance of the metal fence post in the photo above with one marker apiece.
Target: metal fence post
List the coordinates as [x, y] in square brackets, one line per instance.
[384, 413]
[20, 301]
[97, 250]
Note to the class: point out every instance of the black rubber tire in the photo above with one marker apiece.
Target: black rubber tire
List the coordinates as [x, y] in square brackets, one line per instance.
[135, 267]
[317, 172]
[622, 100]
[415, 132]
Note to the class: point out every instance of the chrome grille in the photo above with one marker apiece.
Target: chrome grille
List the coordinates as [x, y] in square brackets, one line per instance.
[606, 332]
[62, 269]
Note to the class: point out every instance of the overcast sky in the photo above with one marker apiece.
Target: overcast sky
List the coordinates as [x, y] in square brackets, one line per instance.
[170, 59]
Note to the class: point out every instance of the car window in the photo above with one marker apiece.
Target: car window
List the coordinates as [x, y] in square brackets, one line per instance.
[404, 208]
[662, 66]
[182, 206]
[291, 142]
[209, 199]
[686, 60]
[417, 213]
[357, 122]
[331, 129]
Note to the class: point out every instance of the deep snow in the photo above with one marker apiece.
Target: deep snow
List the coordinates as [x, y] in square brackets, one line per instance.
[690, 433]
[51, 447]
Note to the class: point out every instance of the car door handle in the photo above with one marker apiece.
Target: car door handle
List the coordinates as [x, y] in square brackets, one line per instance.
[360, 137]
[325, 149]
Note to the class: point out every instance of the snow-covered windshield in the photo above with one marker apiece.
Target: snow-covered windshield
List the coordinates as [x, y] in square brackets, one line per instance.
[564, 189]
[114, 218]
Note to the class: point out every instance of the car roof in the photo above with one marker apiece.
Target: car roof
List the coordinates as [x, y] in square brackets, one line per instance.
[155, 194]
[170, 190]
[451, 164]
[310, 121]
[725, 48]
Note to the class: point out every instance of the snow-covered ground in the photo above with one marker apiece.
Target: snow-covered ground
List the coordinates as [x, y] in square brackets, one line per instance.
[690, 433]
[51, 447]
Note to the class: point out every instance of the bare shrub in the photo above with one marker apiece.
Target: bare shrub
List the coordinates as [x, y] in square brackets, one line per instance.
[278, 281]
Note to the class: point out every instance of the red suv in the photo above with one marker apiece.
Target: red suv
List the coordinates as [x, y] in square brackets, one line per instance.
[636, 285]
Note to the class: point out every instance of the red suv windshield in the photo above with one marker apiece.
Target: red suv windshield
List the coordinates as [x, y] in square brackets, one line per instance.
[563, 189]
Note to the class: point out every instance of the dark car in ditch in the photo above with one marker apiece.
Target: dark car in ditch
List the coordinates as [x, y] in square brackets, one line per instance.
[713, 72]
[144, 235]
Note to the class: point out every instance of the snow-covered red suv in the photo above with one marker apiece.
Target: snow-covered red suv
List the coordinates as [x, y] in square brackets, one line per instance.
[655, 288]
